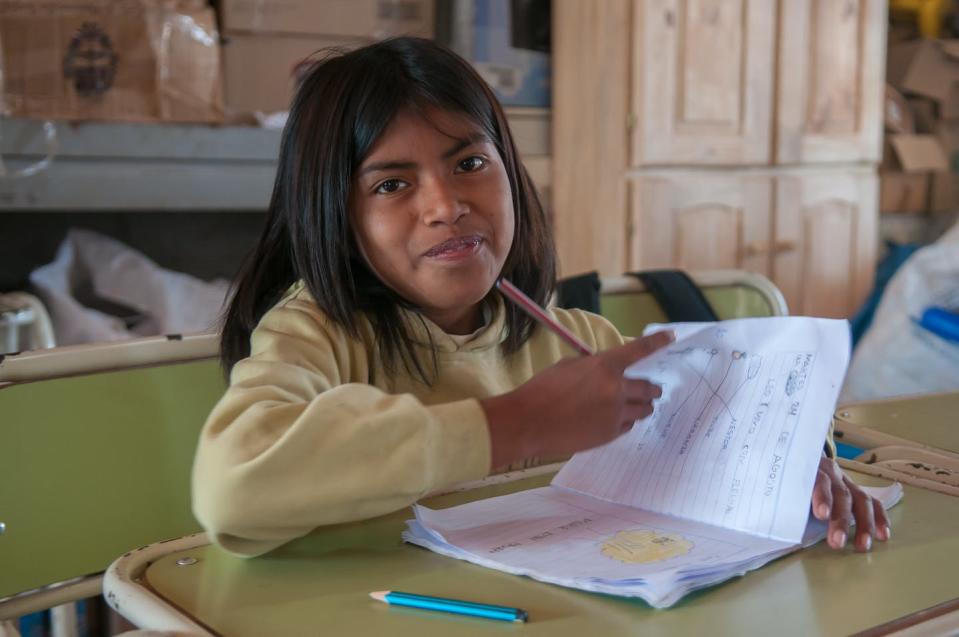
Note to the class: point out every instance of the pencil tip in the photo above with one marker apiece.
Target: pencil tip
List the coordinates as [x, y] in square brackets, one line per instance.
[379, 595]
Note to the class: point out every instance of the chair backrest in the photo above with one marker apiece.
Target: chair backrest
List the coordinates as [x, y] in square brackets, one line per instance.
[95, 457]
[731, 293]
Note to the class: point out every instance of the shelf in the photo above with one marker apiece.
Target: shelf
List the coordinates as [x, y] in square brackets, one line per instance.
[129, 167]
[107, 166]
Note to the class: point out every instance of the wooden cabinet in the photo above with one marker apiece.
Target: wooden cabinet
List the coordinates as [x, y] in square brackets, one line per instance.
[702, 73]
[831, 79]
[700, 221]
[721, 133]
[825, 229]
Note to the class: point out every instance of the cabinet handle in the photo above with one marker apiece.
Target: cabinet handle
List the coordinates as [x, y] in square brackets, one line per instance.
[757, 248]
[783, 246]
[754, 249]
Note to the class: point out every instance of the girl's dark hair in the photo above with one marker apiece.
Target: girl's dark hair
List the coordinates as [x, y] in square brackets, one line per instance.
[343, 104]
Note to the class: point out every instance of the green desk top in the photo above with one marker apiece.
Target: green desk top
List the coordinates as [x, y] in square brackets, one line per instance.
[319, 585]
[931, 419]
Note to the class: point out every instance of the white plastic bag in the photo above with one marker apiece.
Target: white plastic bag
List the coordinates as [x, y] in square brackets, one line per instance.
[136, 297]
[896, 356]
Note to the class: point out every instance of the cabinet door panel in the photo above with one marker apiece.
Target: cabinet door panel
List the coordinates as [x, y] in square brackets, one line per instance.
[700, 221]
[830, 80]
[825, 224]
[702, 81]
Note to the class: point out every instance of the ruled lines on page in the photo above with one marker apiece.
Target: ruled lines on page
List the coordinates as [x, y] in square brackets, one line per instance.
[733, 441]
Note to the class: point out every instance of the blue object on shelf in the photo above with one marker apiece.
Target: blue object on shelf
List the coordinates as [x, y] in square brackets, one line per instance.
[941, 322]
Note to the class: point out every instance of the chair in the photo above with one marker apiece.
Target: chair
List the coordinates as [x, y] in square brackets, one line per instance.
[24, 323]
[625, 301]
[96, 445]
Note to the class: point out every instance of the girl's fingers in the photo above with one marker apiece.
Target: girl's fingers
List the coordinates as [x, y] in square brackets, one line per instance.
[862, 510]
[641, 391]
[822, 496]
[883, 528]
[625, 355]
[841, 514]
[636, 411]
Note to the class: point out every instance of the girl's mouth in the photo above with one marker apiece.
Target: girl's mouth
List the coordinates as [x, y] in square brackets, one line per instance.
[455, 248]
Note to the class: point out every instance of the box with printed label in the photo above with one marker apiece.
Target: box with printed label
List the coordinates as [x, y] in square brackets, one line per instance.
[130, 60]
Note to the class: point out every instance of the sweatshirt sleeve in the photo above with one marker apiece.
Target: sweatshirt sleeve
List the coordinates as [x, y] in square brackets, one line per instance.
[293, 444]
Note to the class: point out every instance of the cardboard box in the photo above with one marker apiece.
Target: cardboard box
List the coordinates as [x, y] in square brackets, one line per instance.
[914, 153]
[925, 114]
[929, 68]
[260, 70]
[944, 195]
[897, 112]
[374, 19]
[922, 67]
[130, 60]
[947, 132]
[266, 40]
[904, 192]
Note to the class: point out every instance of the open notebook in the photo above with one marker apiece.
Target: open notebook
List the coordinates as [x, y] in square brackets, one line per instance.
[715, 483]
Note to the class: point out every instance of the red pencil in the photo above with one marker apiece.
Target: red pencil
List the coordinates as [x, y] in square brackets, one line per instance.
[529, 306]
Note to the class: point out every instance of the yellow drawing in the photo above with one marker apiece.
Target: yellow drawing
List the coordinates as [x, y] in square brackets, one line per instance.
[641, 546]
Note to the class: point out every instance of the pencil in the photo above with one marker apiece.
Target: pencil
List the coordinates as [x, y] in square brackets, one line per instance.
[459, 607]
[529, 306]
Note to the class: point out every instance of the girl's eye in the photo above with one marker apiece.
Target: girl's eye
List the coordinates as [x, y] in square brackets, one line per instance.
[471, 164]
[390, 186]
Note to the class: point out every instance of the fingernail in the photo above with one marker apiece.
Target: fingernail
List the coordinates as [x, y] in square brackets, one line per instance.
[822, 511]
[867, 545]
[886, 532]
[658, 391]
[671, 335]
[839, 539]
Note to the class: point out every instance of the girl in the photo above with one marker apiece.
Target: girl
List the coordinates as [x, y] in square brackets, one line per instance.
[370, 359]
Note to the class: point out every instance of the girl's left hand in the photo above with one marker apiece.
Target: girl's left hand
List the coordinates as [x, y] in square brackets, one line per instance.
[841, 501]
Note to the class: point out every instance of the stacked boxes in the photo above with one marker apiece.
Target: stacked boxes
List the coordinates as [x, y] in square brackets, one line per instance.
[920, 169]
[265, 41]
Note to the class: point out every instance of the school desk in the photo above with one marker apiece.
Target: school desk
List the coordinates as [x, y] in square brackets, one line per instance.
[929, 419]
[912, 439]
[319, 585]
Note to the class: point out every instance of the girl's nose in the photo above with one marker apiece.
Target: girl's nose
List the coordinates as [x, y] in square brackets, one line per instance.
[441, 203]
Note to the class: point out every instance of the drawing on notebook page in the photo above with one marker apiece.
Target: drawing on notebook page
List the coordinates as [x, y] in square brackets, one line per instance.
[708, 394]
[642, 546]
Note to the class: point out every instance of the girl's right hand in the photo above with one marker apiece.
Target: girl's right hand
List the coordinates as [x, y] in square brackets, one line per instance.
[577, 404]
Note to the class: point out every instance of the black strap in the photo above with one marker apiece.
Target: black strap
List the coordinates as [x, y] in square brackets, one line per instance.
[677, 294]
[680, 298]
[580, 292]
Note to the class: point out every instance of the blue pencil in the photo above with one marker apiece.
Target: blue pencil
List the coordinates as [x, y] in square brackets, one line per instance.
[489, 611]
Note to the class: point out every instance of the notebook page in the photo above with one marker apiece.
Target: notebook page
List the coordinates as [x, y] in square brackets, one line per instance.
[572, 536]
[567, 538]
[735, 440]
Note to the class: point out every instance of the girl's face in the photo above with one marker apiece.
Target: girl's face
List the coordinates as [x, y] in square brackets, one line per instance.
[432, 212]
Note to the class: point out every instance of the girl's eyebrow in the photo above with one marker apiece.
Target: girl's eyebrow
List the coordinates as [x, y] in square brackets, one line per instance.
[464, 142]
[461, 143]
